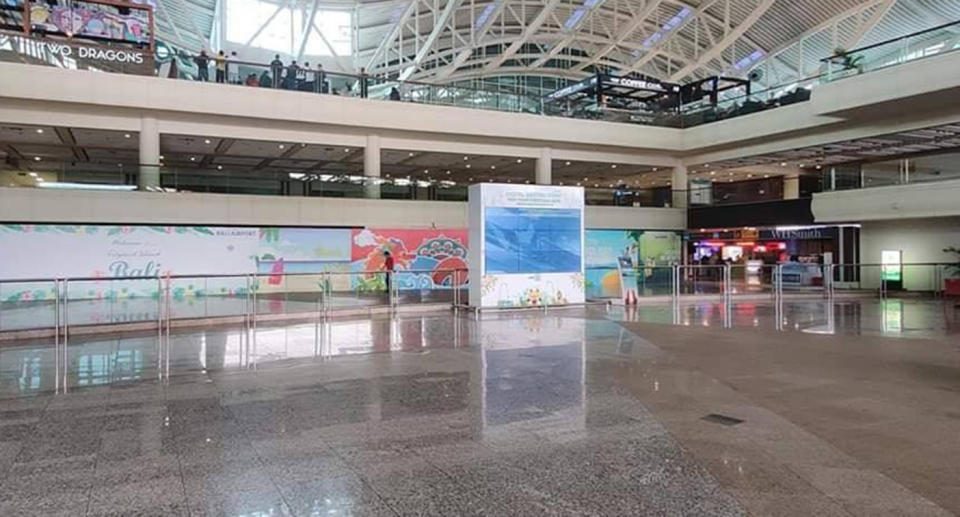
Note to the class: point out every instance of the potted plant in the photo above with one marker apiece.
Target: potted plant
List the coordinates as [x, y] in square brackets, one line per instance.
[952, 284]
[847, 61]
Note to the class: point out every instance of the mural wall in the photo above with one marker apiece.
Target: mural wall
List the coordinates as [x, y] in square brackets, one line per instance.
[652, 252]
[92, 20]
[111, 255]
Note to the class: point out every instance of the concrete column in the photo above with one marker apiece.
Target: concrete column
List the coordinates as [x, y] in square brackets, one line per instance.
[679, 184]
[149, 154]
[791, 187]
[371, 167]
[544, 175]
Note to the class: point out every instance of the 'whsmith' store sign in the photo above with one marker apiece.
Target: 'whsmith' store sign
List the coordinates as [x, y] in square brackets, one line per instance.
[81, 56]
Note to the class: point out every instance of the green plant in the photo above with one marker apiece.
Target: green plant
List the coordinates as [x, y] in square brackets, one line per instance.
[955, 267]
[848, 61]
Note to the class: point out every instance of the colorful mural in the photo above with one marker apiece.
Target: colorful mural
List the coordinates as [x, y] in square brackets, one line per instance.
[652, 251]
[93, 20]
[423, 259]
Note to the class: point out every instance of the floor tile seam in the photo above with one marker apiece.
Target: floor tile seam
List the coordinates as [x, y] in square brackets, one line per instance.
[360, 475]
[260, 460]
[823, 440]
[785, 465]
[463, 487]
[96, 463]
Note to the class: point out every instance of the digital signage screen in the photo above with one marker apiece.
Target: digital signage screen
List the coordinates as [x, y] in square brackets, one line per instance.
[532, 240]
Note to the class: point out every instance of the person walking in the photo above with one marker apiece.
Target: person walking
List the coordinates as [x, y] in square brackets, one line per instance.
[202, 62]
[388, 266]
[276, 70]
[233, 69]
[221, 61]
[363, 83]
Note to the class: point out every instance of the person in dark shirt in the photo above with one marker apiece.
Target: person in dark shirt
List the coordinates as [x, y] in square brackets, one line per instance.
[203, 62]
[265, 80]
[276, 70]
[363, 83]
[321, 86]
[290, 82]
[394, 94]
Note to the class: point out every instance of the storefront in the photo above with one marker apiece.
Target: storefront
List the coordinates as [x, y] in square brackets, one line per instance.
[794, 246]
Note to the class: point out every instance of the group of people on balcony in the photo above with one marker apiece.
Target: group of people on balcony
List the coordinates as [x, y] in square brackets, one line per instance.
[290, 76]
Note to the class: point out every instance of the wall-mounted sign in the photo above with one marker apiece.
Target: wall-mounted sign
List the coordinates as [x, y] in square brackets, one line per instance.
[80, 56]
[799, 234]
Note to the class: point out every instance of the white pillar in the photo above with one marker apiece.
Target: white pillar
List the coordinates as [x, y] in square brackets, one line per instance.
[545, 167]
[371, 167]
[791, 187]
[679, 186]
[149, 154]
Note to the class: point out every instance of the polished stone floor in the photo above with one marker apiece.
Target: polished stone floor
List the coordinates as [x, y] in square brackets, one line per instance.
[574, 412]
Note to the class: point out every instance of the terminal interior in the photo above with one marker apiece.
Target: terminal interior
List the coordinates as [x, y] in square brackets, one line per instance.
[505, 257]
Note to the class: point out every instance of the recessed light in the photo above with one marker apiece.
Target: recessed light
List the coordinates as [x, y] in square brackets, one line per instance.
[749, 175]
[161, 156]
[119, 165]
[281, 146]
[561, 183]
[409, 154]
[207, 141]
[193, 159]
[34, 174]
[468, 165]
[219, 167]
[783, 164]
[346, 149]
[493, 167]
[586, 178]
[40, 130]
[528, 182]
[469, 179]
[801, 165]
[614, 166]
[766, 175]
[819, 167]
[654, 169]
[567, 163]
[595, 185]
[466, 158]
[706, 165]
[36, 158]
[519, 160]
[448, 172]
[426, 171]
[40, 180]
[126, 135]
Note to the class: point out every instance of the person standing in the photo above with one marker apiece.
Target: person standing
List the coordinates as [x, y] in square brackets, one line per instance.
[321, 79]
[388, 266]
[363, 83]
[276, 70]
[221, 60]
[291, 80]
[233, 69]
[202, 62]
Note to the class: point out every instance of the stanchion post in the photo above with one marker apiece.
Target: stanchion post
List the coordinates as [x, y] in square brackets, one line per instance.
[56, 331]
[66, 331]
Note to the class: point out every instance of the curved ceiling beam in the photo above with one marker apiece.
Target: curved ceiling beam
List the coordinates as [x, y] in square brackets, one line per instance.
[528, 33]
[624, 33]
[717, 50]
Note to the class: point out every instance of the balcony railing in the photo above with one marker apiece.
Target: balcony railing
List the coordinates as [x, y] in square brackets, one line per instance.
[897, 51]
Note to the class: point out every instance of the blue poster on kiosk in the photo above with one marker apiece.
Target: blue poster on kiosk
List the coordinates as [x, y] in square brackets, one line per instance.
[528, 242]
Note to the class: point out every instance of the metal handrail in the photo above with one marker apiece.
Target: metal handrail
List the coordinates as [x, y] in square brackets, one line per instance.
[891, 40]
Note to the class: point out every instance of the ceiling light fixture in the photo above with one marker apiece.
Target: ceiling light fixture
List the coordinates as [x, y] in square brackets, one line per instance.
[493, 167]
[219, 167]
[409, 154]
[207, 141]
[281, 146]
[614, 166]
[39, 130]
[126, 135]
[34, 174]
[567, 163]
[519, 160]
[36, 158]
[468, 165]
[346, 149]
[193, 159]
[783, 164]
